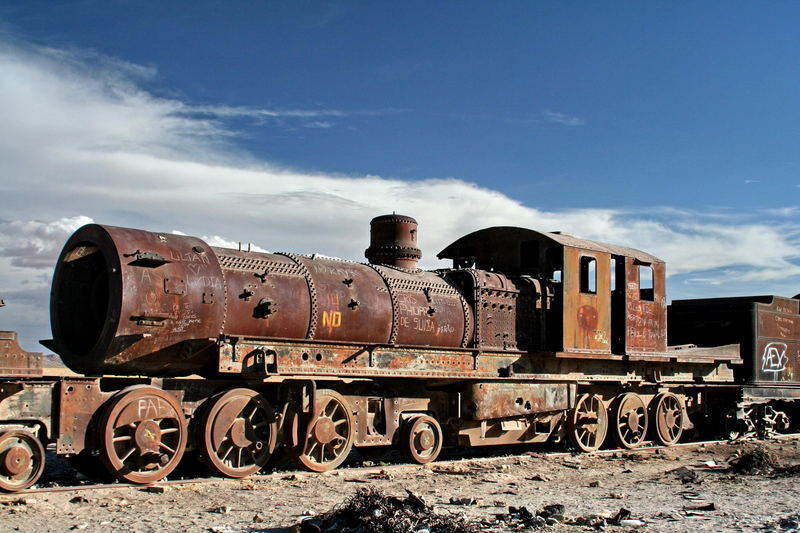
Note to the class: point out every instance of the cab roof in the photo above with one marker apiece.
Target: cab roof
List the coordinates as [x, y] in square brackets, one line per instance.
[501, 245]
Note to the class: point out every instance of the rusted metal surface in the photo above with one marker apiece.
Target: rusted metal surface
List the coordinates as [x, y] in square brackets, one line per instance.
[629, 420]
[422, 439]
[329, 434]
[188, 294]
[428, 311]
[646, 309]
[586, 309]
[239, 432]
[150, 303]
[28, 403]
[508, 312]
[514, 251]
[267, 295]
[261, 358]
[133, 302]
[393, 242]
[519, 430]
[143, 434]
[668, 415]
[351, 301]
[529, 334]
[16, 362]
[488, 400]
[21, 459]
[379, 416]
[79, 402]
[587, 423]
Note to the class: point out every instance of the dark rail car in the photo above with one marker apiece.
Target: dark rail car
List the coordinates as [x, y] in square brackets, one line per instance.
[530, 336]
[767, 328]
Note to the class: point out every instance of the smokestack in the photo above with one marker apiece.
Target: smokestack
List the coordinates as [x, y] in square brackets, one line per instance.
[393, 242]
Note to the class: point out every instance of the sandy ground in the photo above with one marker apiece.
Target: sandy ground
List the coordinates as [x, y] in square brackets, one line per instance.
[646, 484]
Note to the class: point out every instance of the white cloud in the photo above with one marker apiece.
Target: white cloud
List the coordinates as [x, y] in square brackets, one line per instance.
[85, 142]
[35, 244]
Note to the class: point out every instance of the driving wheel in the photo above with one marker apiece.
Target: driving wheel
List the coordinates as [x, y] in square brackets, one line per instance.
[238, 433]
[329, 434]
[143, 434]
[588, 423]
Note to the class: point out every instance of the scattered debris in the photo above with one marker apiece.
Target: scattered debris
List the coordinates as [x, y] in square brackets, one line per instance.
[622, 514]
[521, 517]
[692, 496]
[595, 483]
[538, 477]
[463, 501]
[370, 511]
[555, 512]
[631, 523]
[707, 507]
[787, 523]
[155, 489]
[450, 470]
[686, 475]
[223, 509]
[756, 461]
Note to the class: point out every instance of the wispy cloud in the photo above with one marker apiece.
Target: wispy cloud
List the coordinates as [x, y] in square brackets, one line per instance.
[224, 111]
[562, 118]
[88, 142]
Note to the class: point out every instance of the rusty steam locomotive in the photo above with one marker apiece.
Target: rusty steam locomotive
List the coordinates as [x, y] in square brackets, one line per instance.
[530, 336]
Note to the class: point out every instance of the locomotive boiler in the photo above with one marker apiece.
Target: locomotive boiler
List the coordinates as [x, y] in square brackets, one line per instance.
[530, 336]
[133, 302]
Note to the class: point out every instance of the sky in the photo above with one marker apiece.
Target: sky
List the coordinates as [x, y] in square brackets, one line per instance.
[672, 127]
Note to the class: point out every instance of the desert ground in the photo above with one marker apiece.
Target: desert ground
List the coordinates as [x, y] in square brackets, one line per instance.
[686, 488]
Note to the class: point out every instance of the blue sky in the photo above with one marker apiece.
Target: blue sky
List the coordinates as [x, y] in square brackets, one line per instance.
[671, 127]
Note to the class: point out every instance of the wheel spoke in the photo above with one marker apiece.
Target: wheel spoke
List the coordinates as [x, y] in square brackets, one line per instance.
[314, 445]
[162, 445]
[227, 453]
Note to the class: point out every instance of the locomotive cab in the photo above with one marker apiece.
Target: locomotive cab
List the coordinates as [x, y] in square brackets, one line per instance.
[606, 300]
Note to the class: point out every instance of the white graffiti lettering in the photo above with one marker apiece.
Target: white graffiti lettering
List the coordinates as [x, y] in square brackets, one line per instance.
[774, 358]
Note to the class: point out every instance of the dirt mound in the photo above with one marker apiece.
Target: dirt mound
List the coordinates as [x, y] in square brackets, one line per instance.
[756, 461]
[370, 511]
